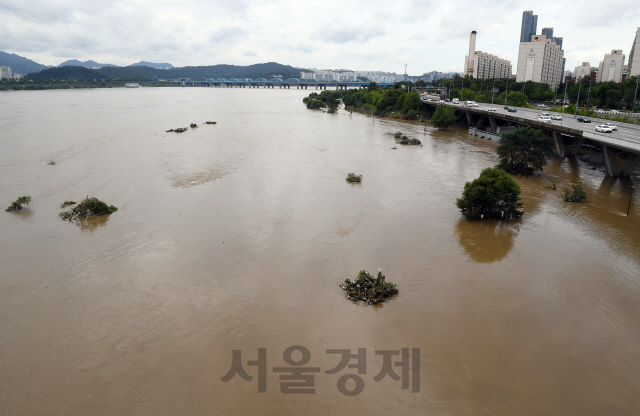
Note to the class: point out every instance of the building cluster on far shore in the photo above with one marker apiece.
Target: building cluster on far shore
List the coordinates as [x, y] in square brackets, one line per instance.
[541, 59]
[5, 73]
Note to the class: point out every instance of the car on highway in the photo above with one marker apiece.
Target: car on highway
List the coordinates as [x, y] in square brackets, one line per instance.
[447, 100]
[603, 129]
[611, 126]
[556, 117]
[584, 119]
[491, 109]
[511, 109]
[544, 119]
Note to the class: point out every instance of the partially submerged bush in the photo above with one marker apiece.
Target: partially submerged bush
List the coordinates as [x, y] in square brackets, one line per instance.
[552, 184]
[193, 125]
[178, 130]
[210, 122]
[398, 135]
[406, 140]
[574, 194]
[368, 289]
[90, 207]
[352, 177]
[18, 203]
[315, 104]
[67, 203]
[494, 194]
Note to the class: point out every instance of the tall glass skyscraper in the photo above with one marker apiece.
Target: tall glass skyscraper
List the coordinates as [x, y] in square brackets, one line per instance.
[529, 26]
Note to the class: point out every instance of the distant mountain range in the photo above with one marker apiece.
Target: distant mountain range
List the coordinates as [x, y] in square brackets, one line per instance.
[20, 65]
[143, 70]
[145, 73]
[154, 65]
[86, 64]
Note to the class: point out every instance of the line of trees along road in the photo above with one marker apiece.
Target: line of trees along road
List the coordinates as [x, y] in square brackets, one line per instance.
[609, 95]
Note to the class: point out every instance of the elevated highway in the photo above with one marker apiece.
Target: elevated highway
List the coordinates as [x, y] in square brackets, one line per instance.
[569, 134]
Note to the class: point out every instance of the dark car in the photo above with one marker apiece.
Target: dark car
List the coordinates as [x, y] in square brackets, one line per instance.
[506, 107]
[447, 100]
[512, 109]
[584, 119]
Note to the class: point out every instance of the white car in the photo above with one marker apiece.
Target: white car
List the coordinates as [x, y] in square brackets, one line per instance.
[544, 119]
[556, 117]
[604, 129]
[611, 126]
[491, 109]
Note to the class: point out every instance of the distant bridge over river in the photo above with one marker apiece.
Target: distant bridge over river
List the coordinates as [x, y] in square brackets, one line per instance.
[278, 83]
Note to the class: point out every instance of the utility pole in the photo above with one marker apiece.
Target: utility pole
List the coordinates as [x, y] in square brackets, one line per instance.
[589, 93]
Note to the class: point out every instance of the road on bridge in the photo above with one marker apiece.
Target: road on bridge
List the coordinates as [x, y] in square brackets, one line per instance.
[626, 132]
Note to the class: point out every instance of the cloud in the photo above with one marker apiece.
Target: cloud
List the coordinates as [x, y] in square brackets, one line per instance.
[342, 33]
[367, 35]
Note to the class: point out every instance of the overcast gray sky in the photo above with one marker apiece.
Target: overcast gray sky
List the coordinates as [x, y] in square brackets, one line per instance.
[364, 35]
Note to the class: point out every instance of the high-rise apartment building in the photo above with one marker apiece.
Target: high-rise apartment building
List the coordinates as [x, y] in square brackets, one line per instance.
[583, 70]
[529, 26]
[483, 65]
[634, 57]
[611, 67]
[540, 60]
[5, 72]
[540, 57]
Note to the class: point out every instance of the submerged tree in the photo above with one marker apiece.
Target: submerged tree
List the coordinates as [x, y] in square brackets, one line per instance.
[494, 194]
[443, 117]
[524, 151]
[368, 289]
[90, 207]
[18, 203]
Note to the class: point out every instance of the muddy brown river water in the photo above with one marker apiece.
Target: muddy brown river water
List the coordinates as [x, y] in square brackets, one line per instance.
[236, 236]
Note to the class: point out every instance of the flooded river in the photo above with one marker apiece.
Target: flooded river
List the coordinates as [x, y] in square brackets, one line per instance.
[236, 236]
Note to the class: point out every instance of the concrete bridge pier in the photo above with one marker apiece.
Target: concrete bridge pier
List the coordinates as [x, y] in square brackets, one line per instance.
[610, 163]
[557, 138]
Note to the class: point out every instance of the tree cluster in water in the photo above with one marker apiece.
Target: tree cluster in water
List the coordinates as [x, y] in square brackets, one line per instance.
[402, 139]
[368, 289]
[90, 207]
[352, 177]
[385, 101]
[18, 203]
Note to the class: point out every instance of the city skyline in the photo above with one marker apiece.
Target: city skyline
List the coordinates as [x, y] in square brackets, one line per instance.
[362, 36]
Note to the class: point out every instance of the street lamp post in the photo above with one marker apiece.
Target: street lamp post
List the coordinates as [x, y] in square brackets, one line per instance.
[636, 96]
[631, 193]
[564, 100]
[493, 89]
[578, 99]
[506, 90]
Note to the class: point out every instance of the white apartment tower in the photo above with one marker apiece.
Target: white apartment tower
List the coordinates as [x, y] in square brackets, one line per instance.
[5, 72]
[540, 60]
[634, 66]
[611, 67]
[483, 65]
[583, 70]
